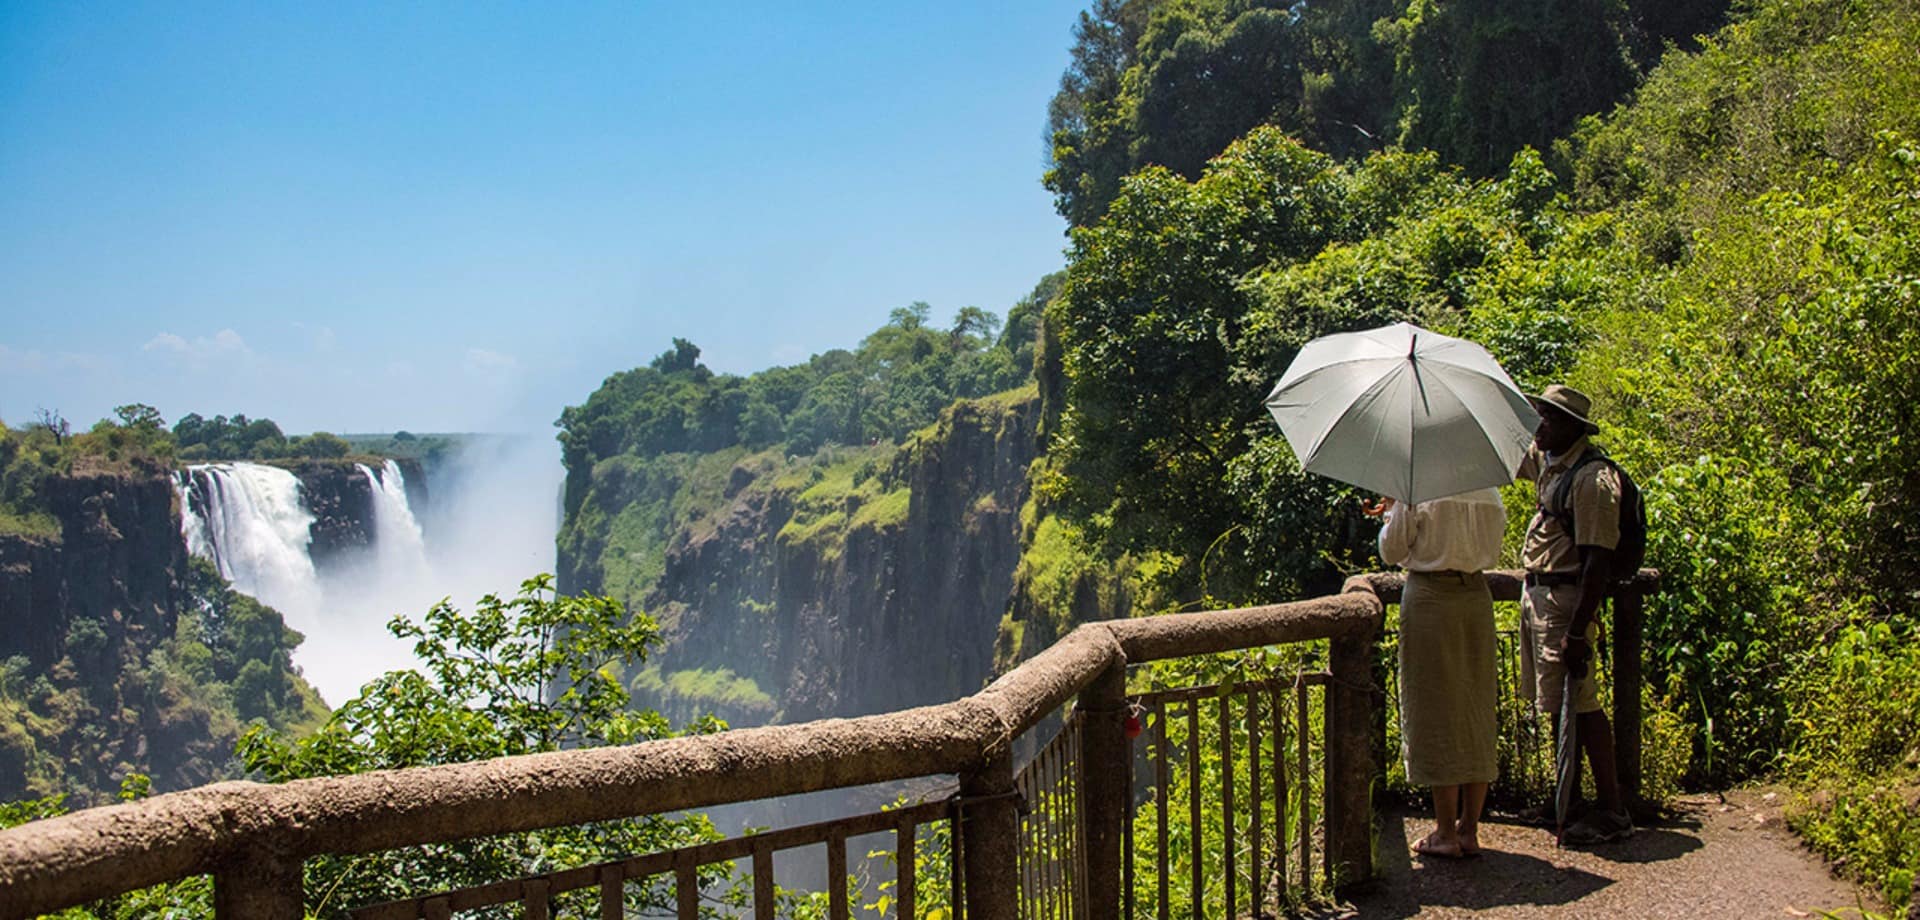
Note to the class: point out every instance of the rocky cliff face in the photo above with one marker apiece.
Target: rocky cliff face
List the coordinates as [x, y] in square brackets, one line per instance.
[79, 617]
[117, 563]
[802, 597]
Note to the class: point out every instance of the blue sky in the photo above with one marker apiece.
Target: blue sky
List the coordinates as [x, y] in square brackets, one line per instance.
[462, 216]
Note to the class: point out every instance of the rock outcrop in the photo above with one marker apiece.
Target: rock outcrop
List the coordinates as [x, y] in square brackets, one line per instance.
[803, 595]
[118, 563]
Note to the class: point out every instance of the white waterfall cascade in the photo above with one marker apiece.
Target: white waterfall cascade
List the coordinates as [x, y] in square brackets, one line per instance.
[256, 529]
[400, 547]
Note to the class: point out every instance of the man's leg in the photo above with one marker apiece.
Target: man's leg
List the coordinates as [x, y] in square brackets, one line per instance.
[1596, 736]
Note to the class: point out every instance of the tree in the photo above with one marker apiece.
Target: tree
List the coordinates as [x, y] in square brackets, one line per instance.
[684, 356]
[50, 420]
[324, 444]
[973, 328]
[140, 415]
[1150, 322]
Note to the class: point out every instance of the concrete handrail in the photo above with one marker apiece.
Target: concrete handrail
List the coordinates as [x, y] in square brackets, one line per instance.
[99, 852]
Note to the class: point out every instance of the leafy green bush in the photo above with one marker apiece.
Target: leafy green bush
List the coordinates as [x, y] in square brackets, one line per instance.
[485, 690]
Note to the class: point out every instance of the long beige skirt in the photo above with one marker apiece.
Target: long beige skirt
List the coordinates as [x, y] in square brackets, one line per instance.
[1447, 679]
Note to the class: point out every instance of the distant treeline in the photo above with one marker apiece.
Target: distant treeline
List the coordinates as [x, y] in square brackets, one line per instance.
[898, 380]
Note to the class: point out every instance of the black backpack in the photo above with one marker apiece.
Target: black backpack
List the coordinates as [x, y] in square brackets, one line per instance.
[1632, 550]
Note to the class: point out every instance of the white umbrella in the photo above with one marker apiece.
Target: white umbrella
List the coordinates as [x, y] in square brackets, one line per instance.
[1404, 412]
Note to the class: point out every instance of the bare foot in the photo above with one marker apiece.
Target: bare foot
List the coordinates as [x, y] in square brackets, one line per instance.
[1435, 844]
[1469, 840]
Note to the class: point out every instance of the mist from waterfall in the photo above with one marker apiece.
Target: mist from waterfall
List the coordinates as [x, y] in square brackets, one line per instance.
[490, 519]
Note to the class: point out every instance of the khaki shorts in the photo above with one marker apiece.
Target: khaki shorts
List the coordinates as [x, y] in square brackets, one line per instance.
[1545, 613]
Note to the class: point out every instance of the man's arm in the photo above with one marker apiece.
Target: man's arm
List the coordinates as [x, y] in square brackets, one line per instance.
[1596, 571]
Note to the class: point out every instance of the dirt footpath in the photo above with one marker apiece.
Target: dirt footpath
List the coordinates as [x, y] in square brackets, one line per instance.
[1719, 856]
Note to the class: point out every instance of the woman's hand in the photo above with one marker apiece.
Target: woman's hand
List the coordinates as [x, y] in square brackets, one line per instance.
[1376, 509]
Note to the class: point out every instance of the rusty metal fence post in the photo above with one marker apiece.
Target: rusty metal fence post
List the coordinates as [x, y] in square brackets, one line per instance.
[1103, 791]
[1628, 609]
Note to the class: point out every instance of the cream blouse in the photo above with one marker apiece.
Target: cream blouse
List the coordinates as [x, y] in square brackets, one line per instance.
[1458, 533]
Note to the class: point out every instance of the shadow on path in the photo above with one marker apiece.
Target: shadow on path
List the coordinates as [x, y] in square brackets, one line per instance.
[1718, 857]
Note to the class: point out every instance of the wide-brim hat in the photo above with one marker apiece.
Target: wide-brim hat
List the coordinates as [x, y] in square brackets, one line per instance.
[1568, 400]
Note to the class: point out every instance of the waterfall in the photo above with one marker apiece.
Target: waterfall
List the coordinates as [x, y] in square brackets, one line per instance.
[252, 523]
[491, 524]
[397, 542]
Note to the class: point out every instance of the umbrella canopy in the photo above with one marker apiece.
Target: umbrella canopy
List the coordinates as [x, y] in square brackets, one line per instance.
[1403, 411]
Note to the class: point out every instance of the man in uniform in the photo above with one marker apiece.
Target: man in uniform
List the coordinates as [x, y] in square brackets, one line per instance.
[1568, 556]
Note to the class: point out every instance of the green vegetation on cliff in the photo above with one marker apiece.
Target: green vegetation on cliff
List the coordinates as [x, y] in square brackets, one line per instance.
[116, 702]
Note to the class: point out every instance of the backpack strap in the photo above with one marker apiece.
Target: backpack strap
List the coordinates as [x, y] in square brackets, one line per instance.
[1561, 507]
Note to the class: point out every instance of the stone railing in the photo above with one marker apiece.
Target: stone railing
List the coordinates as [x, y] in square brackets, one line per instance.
[253, 838]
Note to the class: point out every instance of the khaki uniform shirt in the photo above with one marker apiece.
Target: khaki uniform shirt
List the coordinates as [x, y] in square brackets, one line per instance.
[1594, 500]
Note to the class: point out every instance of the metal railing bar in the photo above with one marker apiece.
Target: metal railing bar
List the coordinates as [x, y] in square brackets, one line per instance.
[1279, 789]
[1056, 829]
[1228, 838]
[686, 886]
[534, 904]
[1256, 881]
[764, 893]
[1163, 776]
[906, 878]
[1080, 894]
[1306, 786]
[1126, 852]
[956, 878]
[837, 874]
[613, 894]
[1193, 804]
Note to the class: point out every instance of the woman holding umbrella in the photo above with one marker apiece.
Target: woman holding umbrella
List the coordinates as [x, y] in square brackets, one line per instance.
[1434, 423]
[1447, 655]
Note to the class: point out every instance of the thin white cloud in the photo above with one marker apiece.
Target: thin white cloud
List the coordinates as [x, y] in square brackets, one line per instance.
[319, 338]
[483, 361]
[201, 350]
[34, 361]
[16, 361]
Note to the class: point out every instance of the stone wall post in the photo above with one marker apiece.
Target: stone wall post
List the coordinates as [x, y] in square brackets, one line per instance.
[263, 884]
[1104, 752]
[990, 839]
[1352, 698]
